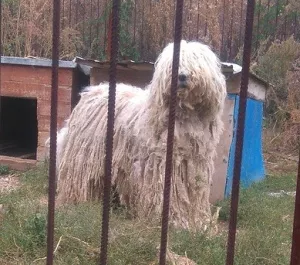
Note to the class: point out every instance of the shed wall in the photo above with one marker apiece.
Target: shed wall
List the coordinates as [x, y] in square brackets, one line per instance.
[221, 161]
[127, 76]
[35, 82]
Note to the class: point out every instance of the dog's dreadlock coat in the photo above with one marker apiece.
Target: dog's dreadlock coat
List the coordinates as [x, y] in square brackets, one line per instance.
[141, 121]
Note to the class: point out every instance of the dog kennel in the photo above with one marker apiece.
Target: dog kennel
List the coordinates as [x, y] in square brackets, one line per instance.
[25, 98]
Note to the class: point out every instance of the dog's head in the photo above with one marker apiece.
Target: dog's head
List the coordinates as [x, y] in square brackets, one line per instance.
[200, 80]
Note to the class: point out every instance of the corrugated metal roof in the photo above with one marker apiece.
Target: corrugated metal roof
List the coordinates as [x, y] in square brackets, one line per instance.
[227, 68]
[32, 61]
[235, 69]
[125, 64]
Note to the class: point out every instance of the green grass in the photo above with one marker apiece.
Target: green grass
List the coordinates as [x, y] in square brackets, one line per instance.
[3, 170]
[264, 229]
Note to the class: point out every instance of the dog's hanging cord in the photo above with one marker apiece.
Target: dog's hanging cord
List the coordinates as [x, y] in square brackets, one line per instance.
[171, 126]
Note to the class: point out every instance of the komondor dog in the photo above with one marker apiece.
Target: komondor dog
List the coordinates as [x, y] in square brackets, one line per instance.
[140, 136]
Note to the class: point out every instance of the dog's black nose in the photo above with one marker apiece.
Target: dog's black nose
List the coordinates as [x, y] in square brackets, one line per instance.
[182, 77]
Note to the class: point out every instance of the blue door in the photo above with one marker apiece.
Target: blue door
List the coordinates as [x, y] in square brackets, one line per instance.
[252, 161]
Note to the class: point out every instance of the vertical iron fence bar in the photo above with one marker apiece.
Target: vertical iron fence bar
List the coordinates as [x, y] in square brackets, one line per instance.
[142, 31]
[70, 13]
[198, 18]
[276, 18]
[76, 12]
[0, 59]
[127, 23]
[53, 130]
[83, 22]
[258, 24]
[171, 126]
[240, 132]
[206, 15]
[231, 29]
[134, 23]
[295, 26]
[268, 6]
[268, 21]
[295, 253]
[98, 20]
[241, 23]
[63, 13]
[285, 22]
[223, 30]
[189, 18]
[91, 22]
[106, 12]
[110, 130]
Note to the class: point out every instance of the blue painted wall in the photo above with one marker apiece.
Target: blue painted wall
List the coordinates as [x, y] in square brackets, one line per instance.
[252, 161]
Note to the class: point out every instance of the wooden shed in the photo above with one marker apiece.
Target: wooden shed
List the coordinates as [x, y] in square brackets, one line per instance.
[140, 74]
[25, 97]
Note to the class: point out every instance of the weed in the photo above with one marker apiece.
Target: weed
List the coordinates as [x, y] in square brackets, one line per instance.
[4, 170]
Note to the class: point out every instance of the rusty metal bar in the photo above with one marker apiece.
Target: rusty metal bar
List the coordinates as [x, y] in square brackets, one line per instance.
[109, 37]
[268, 8]
[240, 132]
[105, 27]
[63, 13]
[276, 18]
[91, 24]
[76, 11]
[134, 23]
[70, 13]
[295, 26]
[53, 130]
[0, 59]
[268, 5]
[241, 23]
[206, 15]
[198, 18]
[285, 22]
[190, 19]
[258, 24]
[295, 253]
[171, 126]
[231, 29]
[98, 20]
[83, 22]
[142, 31]
[223, 30]
[110, 130]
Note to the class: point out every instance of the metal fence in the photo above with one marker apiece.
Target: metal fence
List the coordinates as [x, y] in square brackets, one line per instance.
[219, 23]
[115, 20]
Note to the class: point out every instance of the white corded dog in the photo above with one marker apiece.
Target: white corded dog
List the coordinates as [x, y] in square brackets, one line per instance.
[141, 121]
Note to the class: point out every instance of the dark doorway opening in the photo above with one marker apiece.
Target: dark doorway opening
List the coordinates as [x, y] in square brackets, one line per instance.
[18, 127]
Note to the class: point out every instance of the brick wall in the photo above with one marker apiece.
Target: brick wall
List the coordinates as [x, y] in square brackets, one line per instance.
[35, 82]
